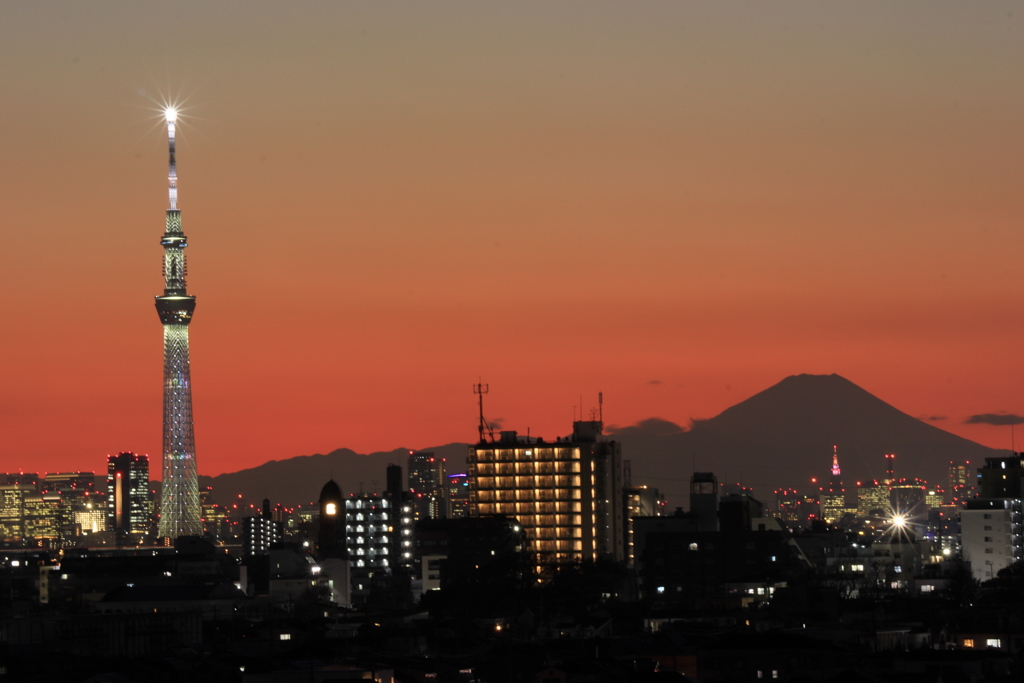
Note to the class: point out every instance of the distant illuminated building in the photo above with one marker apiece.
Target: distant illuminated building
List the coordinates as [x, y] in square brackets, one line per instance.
[457, 495]
[12, 511]
[43, 515]
[91, 519]
[934, 498]
[873, 500]
[833, 498]
[129, 500]
[259, 532]
[24, 479]
[567, 494]
[907, 496]
[960, 485]
[426, 485]
[890, 468]
[216, 523]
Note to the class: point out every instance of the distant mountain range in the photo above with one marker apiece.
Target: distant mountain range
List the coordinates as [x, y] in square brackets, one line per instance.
[780, 437]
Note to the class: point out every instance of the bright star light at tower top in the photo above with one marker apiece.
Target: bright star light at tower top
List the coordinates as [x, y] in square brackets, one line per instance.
[171, 114]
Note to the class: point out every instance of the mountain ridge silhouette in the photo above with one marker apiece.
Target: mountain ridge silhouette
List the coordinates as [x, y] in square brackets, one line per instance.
[780, 437]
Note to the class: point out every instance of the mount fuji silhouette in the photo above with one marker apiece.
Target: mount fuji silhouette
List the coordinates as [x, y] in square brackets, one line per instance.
[784, 436]
[781, 437]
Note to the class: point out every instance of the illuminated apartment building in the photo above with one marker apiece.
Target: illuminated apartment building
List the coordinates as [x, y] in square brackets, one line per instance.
[567, 495]
[129, 502]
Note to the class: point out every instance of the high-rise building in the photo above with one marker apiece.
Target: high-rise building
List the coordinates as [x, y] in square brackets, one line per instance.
[1002, 477]
[567, 495]
[426, 485]
[991, 535]
[960, 482]
[43, 518]
[873, 500]
[370, 524]
[129, 502]
[638, 501]
[179, 499]
[29, 479]
[12, 512]
[833, 497]
[457, 495]
[259, 532]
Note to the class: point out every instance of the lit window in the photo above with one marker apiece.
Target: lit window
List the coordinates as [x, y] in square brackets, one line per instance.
[993, 642]
[775, 673]
[661, 590]
[285, 636]
[968, 642]
[693, 546]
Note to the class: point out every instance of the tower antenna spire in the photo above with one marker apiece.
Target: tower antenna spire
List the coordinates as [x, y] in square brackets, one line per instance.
[179, 499]
[481, 389]
[171, 116]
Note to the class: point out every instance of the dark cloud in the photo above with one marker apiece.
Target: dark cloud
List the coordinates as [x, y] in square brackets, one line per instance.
[496, 423]
[994, 419]
[655, 381]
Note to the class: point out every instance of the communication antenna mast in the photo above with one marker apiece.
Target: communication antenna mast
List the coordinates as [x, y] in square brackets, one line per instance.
[480, 390]
[600, 406]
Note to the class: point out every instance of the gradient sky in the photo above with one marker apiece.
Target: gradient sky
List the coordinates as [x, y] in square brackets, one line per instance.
[675, 203]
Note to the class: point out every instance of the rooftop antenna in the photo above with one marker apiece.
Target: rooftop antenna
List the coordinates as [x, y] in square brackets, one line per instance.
[481, 389]
[600, 406]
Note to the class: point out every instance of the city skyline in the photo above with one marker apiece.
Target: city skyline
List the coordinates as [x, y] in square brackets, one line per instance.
[678, 206]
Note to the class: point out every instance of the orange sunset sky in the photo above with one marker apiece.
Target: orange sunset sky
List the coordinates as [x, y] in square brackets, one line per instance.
[675, 203]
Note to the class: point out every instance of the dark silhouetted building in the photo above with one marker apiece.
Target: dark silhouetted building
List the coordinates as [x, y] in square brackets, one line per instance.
[331, 534]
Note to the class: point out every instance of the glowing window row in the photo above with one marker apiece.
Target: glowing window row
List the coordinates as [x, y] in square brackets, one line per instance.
[524, 454]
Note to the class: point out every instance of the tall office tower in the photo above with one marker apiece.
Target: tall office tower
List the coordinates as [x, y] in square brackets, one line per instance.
[43, 520]
[457, 495]
[833, 497]
[960, 486]
[179, 499]
[873, 500]
[426, 485]
[567, 494]
[890, 468]
[129, 503]
[704, 500]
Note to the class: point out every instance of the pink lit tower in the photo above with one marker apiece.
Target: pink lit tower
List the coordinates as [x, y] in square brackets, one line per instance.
[179, 500]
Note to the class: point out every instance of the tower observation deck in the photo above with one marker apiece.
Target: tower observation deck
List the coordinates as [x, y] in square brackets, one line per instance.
[179, 499]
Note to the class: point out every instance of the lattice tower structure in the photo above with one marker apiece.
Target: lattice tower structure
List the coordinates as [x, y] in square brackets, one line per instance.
[179, 499]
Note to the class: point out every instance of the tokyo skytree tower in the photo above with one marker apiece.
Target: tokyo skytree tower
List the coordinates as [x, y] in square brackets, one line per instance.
[179, 500]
